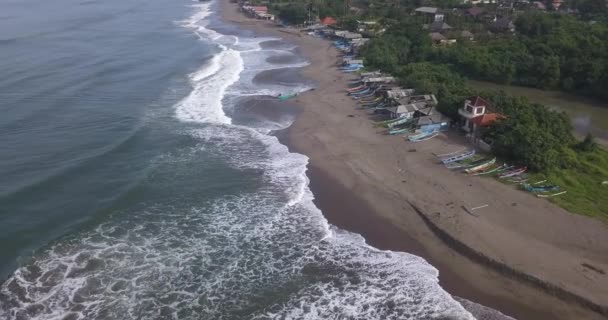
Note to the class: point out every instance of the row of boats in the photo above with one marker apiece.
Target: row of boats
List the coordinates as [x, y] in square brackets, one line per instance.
[475, 165]
[371, 90]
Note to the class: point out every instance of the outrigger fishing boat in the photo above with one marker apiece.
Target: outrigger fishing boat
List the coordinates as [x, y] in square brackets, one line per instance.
[284, 97]
[513, 173]
[495, 170]
[537, 189]
[423, 136]
[458, 157]
[550, 195]
[480, 166]
[398, 122]
[467, 163]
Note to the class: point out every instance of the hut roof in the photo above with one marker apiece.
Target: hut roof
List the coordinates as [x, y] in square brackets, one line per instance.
[329, 21]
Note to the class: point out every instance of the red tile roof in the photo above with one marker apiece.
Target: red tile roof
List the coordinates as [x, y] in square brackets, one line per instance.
[486, 119]
[328, 21]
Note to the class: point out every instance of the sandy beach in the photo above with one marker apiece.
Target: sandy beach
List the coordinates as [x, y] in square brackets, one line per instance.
[520, 255]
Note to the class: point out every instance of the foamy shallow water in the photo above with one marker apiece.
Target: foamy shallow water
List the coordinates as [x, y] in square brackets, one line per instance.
[260, 249]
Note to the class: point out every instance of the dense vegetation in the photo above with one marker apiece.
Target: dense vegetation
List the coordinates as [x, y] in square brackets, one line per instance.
[549, 51]
[530, 134]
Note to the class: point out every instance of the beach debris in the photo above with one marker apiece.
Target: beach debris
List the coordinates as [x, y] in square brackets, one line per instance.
[592, 267]
[470, 210]
[411, 150]
[351, 115]
[482, 206]
[605, 183]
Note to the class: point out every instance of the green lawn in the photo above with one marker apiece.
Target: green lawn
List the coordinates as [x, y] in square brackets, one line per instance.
[586, 194]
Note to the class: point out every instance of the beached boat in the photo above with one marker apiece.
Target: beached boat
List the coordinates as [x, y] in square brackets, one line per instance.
[467, 163]
[494, 170]
[550, 195]
[513, 173]
[537, 189]
[398, 122]
[480, 166]
[423, 136]
[360, 92]
[284, 97]
[458, 157]
[399, 131]
[356, 88]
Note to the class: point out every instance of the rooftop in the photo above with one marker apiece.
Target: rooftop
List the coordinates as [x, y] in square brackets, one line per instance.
[427, 10]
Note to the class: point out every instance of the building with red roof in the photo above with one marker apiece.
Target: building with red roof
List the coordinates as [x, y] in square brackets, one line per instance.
[329, 21]
[477, 113]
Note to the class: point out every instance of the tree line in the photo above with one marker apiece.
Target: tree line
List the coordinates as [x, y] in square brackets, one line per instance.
[530, 134]
[550, 51]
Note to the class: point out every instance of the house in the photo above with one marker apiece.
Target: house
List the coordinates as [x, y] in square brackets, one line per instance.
[435, 121]
[410, 110]
[467, 35]
[412, 106]
[328, 21]
[477, 114]
[437, 37]
[431, 13]
[478, 1]
[539, 6]
[558, 3]
[437, 26]
[474, 12]
[502, 25]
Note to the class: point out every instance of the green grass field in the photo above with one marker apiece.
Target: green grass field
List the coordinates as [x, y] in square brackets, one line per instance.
[585, 192]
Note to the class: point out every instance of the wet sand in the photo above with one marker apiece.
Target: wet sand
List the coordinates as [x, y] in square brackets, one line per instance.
[520, 255]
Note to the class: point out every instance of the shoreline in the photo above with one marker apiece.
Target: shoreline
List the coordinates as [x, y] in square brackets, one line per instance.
[377, 205]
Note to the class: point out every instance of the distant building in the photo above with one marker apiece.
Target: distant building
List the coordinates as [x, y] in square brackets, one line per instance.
[437, 37]
[502, 25]
[328, 21]
[478, 1]
[438, 26]
[474, 12]
[467, 35]
[539, 6]
[432, 13]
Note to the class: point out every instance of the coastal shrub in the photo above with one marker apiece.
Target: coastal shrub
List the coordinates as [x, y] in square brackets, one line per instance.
[294, 14]
[588, 144]
[531, 134]
[548, 51]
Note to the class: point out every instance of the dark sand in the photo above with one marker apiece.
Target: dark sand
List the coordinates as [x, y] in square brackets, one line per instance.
[520, 255]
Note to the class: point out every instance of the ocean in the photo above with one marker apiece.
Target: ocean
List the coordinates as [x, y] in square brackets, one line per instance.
[142, 178]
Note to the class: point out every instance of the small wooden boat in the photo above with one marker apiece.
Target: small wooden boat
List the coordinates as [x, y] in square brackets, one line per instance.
[467, 163]
[513, 173]
[398, 122]
[494, 170]
[423, 136]
[355, 88]
[399, 131]
[536, 189]
[481, 166]
[550, 195]
[458, 157]
[284, 97]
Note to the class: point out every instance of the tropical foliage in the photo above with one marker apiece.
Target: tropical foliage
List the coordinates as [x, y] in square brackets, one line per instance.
[549, 51]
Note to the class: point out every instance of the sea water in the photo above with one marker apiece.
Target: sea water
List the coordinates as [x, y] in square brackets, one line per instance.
[142, 180]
